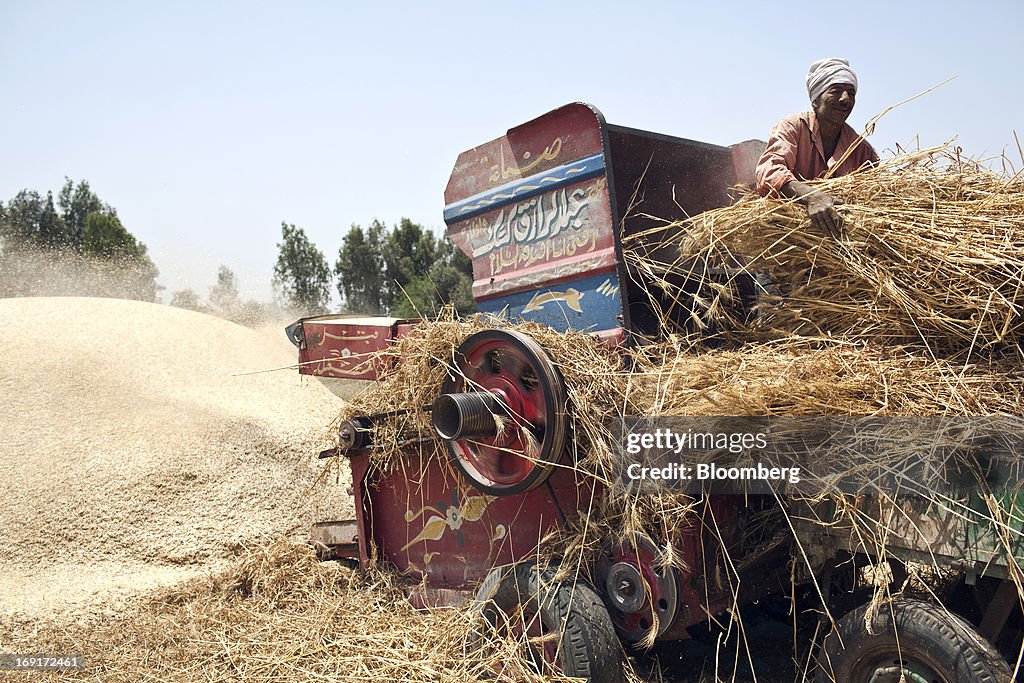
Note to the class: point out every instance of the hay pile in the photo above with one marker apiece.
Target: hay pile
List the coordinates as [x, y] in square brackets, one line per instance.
[932, 255]
[277, 615]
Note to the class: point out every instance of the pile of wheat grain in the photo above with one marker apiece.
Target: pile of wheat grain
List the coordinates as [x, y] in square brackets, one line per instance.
[135, 453]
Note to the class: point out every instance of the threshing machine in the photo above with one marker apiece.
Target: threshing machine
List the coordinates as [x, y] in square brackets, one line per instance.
[542, 211]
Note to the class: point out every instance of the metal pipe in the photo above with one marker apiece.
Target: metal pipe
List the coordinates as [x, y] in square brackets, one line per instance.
[458, 416]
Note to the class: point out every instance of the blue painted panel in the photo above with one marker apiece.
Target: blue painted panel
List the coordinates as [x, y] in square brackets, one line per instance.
[591, 304]
[566, 174]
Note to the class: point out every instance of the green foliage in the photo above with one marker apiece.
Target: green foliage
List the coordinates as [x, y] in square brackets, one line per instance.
[360, 269]
[104, 236]
[409, 251]
[52, 230]
[405, 271]
[76, 203]
[443, 285]
[301, 272]
[30, 221]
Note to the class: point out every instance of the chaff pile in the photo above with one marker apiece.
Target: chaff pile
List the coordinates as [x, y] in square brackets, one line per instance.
[932, 254]
[278, 615]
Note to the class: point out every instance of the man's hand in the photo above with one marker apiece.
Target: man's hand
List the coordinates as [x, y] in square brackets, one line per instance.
[822, 212]
[821, 208]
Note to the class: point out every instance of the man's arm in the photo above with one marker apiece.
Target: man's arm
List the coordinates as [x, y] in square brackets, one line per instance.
[775, 174]
[775, 167]
[820, 206]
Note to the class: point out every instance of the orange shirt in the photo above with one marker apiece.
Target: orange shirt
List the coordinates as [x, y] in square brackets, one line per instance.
[795, 152]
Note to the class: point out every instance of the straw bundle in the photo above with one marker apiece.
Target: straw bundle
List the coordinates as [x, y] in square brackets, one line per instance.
[797, 377]
[932, 254]
[789, 377]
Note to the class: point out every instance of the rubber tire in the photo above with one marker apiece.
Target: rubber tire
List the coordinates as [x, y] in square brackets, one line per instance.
[589, 648]
[927, 633]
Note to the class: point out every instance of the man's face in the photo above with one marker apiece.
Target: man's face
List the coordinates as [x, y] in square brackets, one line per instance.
[835, 104]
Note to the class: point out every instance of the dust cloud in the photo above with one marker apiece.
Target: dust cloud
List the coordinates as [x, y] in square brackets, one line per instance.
[27, 271]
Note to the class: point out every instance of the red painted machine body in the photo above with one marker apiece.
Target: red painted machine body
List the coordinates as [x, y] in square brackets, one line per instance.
[424, 519]
[542, 212]
[344, 346]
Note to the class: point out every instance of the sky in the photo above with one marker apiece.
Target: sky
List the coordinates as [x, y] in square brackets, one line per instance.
[208, 124]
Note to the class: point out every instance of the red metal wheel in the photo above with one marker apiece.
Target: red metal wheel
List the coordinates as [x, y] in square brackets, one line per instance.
[638, 590]
[502, 412]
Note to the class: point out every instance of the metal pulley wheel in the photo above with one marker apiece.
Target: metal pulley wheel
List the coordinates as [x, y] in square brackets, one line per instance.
[502, 412]
[638, 589]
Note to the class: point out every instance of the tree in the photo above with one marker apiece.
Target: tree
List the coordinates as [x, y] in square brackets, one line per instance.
[76, 203]
[224, 294]
[301, 272]
[448, 282]
[52, 230]
[405, 271]
[360, 269]
[103, 236]
[19, 222]
[105, 240]
[96, 253]
[409, 251]
[443, 285]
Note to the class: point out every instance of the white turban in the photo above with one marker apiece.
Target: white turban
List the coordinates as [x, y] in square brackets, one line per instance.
[826, 72]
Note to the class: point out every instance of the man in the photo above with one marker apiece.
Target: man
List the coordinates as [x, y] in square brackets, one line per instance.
[805, 146]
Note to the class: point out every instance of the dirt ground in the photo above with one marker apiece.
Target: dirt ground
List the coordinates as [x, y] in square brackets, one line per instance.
[134, 452]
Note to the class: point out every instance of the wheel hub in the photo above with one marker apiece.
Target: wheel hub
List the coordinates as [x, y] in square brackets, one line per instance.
[625, 587]
[640, 592]
[898, 674]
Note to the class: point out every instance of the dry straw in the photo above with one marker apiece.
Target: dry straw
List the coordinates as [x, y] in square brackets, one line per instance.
[932, 254]
[277, 616]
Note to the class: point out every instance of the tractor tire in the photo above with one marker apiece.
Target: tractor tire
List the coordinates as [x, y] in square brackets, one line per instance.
[564, 627]
[927, 645]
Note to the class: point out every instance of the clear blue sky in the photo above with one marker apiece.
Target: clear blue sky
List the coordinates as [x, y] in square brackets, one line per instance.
[207, 124]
